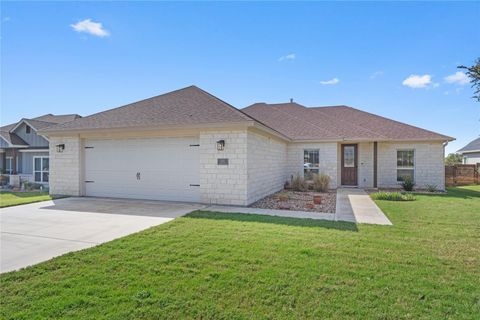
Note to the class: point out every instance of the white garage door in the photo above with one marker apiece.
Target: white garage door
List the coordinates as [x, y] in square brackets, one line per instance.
[157, 169]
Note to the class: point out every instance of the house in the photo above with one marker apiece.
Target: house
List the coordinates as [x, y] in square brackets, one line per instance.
[24, 152]
[188, 145]
[471, 152]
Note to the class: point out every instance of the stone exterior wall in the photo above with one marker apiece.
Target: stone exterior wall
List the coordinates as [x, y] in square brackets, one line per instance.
[223, 184]
[266, 166]
[429, 165]
[365, 164]
[328, 156]
[66, 167]
[259, 164]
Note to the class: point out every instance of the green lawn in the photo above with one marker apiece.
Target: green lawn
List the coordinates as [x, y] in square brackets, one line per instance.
[8, 199]
[233, 266]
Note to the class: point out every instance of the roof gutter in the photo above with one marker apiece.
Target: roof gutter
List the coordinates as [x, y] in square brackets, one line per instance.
[369, 140]
[468, 151]
[72, 132]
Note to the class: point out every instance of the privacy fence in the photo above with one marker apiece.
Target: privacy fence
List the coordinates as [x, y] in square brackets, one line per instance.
[462, 174]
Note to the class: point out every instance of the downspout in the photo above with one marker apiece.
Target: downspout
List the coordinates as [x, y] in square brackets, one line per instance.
[444, 144]
[375, 164]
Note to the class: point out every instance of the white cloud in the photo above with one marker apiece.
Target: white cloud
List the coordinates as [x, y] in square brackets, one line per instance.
[330, 82]
[288, 57]
[416, 81]
[91, 27]
[376, 74]
[458, 78]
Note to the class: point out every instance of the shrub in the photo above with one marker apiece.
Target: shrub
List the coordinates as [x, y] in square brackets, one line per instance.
[431, 188]
[298, 183]
[393, 196]
[407, 183]
[29, 186]
[4, 180]
[321, 182]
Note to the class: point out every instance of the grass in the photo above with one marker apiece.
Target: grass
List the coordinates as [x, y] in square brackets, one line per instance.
[473, 187]
[233, 266]
[393, 196]
[8, 198]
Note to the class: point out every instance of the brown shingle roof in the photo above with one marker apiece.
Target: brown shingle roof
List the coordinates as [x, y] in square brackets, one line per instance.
[61, 118]
[335, 123]
[187, 106]
[39, 124]
[12, 138]
[41, 121]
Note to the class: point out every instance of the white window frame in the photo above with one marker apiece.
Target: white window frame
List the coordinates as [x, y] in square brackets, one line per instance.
[311, 168]
[9, 159]
[41, 169]
[406, 168]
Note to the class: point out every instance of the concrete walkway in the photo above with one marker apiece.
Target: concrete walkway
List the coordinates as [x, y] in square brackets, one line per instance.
[353, 205]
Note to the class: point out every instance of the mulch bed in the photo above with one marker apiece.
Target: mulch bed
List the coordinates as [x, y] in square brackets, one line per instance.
[299, 201]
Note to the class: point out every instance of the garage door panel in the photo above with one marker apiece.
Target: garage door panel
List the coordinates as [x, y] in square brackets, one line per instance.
[167, 166]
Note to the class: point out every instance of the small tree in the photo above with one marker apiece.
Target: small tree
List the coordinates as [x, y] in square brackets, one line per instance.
[473, 73]
[453, 158]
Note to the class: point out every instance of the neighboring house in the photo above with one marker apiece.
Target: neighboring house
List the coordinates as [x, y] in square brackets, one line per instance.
[24, 152]
[471, 152]
[188, 145]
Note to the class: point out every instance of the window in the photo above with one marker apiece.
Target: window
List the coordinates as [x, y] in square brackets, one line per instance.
[349, 156]
[405, 164]
[9, 165]
[464, 160]
[310, 163]
[27, 129]
[41, 168]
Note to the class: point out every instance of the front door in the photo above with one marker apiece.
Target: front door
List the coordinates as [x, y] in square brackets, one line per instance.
[349, 164]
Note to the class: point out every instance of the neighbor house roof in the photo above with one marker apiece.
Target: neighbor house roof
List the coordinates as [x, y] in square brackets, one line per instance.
[184, 107]
[473, 146]
[61, 118]
[42, 122]
[12, 138]
[335, 123]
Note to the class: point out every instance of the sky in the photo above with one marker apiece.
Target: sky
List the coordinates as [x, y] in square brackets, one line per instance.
[397, 60]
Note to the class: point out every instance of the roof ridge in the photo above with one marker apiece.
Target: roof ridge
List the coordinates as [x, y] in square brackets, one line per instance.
[222, 101]
[242, 112]
[33, 119]
[129, 104]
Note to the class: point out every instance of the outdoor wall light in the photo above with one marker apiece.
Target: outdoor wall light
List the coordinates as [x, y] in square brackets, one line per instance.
[60, 147]
[220, 145]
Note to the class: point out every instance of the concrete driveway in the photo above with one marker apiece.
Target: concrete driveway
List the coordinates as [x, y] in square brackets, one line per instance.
[36, 232]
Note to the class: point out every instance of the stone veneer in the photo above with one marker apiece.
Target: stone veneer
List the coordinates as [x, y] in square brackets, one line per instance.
[429, 165]
[266, 166]
[223, 184]
[365, 164]
[259, 164]
[66, 167]
[327, 158]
